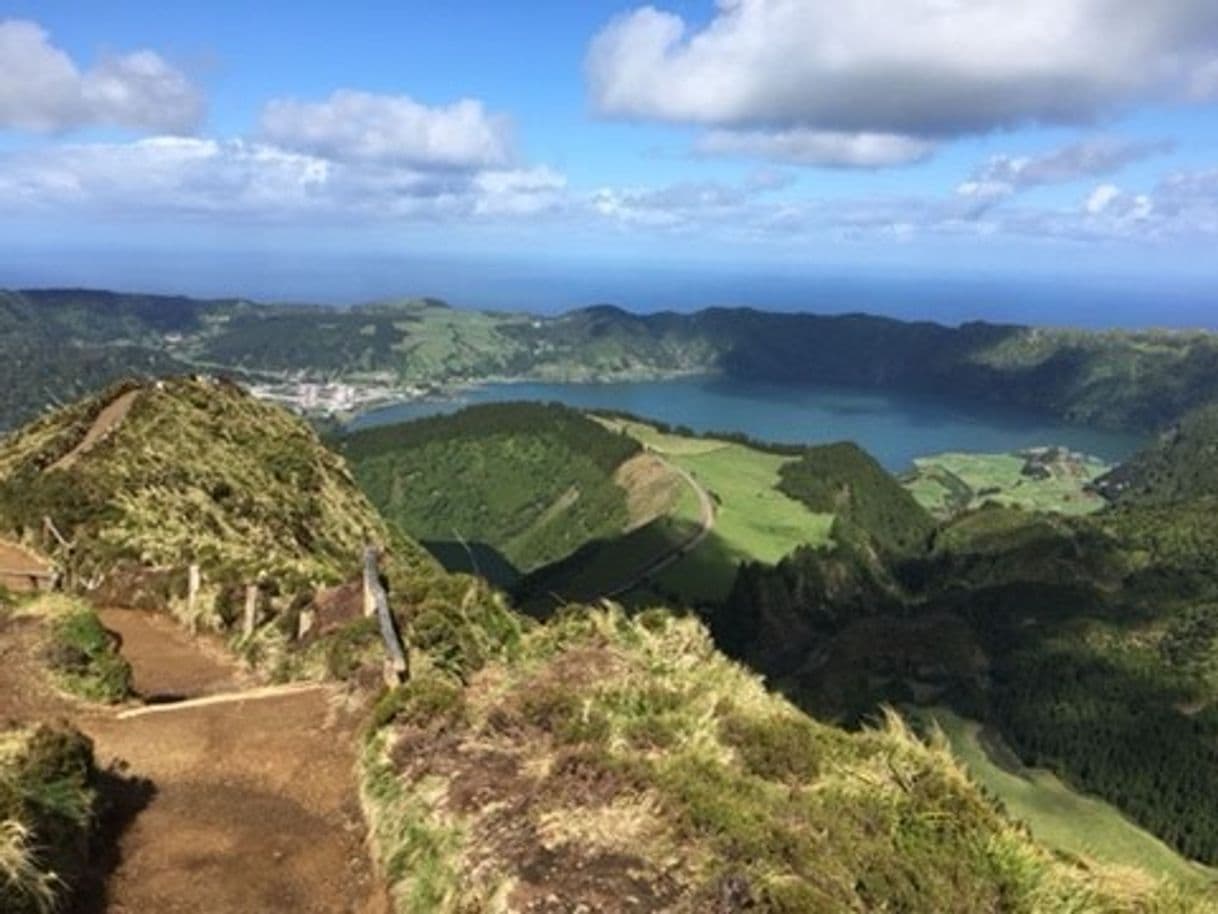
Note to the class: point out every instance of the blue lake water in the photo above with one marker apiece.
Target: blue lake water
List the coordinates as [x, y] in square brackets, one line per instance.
[895, 428]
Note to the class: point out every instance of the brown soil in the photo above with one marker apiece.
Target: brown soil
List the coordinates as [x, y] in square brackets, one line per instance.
[251, 807]
[20, 569]
[243, 806]
[107, 420]
[26, 693]
[167, 662]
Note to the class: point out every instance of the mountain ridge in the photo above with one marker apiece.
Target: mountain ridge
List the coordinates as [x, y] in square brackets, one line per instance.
[1123, 379]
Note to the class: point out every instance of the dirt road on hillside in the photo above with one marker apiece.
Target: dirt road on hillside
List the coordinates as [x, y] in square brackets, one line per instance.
[244, 803]
[706, 524]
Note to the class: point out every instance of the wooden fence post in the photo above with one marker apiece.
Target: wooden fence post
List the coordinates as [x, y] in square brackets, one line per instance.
[193, 582]
[397, 667]
[251, 610]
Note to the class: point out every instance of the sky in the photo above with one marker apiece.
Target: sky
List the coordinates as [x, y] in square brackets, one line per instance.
[993, 157]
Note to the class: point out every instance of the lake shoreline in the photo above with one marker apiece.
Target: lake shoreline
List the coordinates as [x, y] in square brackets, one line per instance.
[896, 427]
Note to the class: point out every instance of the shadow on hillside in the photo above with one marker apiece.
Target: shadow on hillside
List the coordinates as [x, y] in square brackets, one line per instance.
[122, 799]
[481, 559]
[607, 568]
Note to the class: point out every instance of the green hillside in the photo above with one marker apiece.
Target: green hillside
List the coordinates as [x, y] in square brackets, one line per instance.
[147, 478]
[529, 482]
[1086, 641]
[1127, 379]
[847, 482]
[1182, 464]
[1064, 819]
[600, 760]
[752, 520]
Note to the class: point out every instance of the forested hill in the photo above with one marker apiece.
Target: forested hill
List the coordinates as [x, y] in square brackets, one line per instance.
[1181, 465]
[506, 486]
[1129, 379]
[1087, 642]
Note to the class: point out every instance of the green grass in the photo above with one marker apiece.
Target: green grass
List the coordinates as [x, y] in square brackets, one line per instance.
[631, 749]
[82, 653]
[947, 484]
[1060, 817]
[46, 814]
[533, 482]
[753, 522]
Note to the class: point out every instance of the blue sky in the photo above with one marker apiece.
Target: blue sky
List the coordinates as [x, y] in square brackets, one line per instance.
[1066, 140]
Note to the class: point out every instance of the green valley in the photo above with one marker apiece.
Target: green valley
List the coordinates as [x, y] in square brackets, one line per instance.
[1046, 479]
[751, 520]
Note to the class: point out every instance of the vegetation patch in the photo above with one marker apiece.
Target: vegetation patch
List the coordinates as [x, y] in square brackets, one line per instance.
[529, 482]
[625, 765]
[1043, 479]
[47, 811]
[81, 654]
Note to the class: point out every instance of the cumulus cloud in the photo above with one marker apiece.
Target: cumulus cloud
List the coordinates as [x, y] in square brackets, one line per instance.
[42, 89]
[390, 129]
[1003, 176]
[828, 148]
[915, 68]
[253, 181]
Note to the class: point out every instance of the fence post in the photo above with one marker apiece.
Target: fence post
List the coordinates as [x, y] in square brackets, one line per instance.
[251, 610]
[397, 667]
[193, 581]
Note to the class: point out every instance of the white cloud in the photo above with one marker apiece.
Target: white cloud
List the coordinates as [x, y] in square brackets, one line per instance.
[237, 180]
[1003, 176]
[353, 126]
[1101, 198]
[41, 89]
[921, 68]
[800, 146]
[1086, 159]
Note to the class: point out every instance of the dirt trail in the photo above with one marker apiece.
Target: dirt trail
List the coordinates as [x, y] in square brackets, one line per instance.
[240, 807]
[168, 663]
[20, 569]
[113, 413]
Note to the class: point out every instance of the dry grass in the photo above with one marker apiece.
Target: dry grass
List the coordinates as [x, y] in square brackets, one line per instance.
[617, 759]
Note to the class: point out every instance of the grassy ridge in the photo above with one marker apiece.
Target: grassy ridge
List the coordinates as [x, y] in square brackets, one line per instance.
[639, 763]
[194, 471]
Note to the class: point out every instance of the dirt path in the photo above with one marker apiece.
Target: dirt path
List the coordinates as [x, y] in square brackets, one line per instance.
[240, 806]
[20, 569]
[113, 413]
[168, 663]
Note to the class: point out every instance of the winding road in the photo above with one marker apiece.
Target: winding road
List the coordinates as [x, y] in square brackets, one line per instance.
[706, 524]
